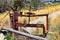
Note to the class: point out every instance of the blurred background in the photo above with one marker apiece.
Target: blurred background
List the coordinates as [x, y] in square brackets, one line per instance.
[50, 7]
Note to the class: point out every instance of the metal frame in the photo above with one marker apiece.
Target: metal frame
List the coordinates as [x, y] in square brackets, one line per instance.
[15, 24]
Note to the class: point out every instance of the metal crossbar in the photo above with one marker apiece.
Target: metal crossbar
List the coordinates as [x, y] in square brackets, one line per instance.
[24, 34]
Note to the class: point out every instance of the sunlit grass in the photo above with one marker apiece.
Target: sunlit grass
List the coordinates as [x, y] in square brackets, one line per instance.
[46, 10]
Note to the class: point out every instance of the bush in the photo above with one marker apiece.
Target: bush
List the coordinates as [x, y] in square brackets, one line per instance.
[9, 37]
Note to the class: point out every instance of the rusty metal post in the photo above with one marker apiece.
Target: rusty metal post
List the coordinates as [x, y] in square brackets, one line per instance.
[47, 24]
[15, 18]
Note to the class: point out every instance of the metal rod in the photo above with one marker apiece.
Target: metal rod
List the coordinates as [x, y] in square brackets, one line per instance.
[29, 20]
[33, 15]
[47, 24]
[24, 34]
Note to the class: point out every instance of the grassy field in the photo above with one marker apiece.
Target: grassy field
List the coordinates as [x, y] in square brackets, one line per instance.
[47, 10]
